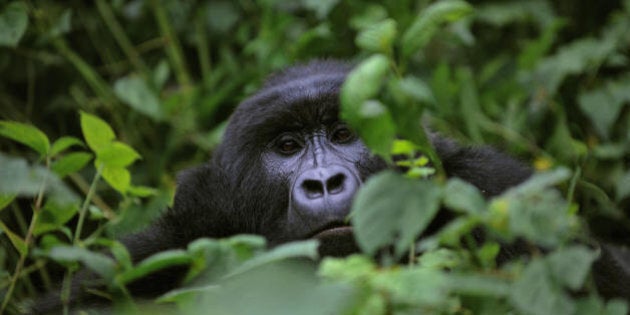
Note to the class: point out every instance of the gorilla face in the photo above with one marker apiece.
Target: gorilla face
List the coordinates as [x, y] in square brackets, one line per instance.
[297, 165]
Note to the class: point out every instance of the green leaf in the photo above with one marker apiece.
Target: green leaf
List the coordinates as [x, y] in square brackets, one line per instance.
[478, 285]
[534, 293]
[464, 197]
[154, 263]
[13, 23]
[135, 92]
[362, 83]
[27, 180]
[63, 24]
[142, 191]
[378, 37]
[427, 23]
[97, 133]
[393, 209]
[376, 127]
[117, 155]
[426, 288]
[54, 216]
[27, 135]
[63, 143]
[5, 200]
[622, 187]
[571, 265]
[603, 105]
[71, 163]
[101, 264]
[303, 249]
[370, 118]
[16, 240]
[117, 177]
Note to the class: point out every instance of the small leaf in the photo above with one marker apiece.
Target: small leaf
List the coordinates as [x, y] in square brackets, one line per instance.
[427, 23]
[97, 262]
[5, 200]
[54, 216]
[63, 143]
[393, 209]
[62, 25]
[135, 92]
[154, 263]
[117, 155]
[142, 191]
[97, 133]
[13, 23]
[27, 135]
[117, 177]
[307, 249]
[376, 127]
[464, 197]
[378, 37]
[71, 163]
[16, 240]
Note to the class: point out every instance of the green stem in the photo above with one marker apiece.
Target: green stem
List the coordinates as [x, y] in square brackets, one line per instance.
[201, 40]
[27, 241]
[121, 38]
[86, 204]
[173, 47]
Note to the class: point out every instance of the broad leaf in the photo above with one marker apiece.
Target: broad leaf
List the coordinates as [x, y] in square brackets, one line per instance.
[393, 209]
[27, 135]
[378, 37]
[71, 163]
[97, 133]
[117, 155]
[54, 216]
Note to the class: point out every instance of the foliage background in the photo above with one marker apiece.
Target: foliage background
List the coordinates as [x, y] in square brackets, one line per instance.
[547, 81]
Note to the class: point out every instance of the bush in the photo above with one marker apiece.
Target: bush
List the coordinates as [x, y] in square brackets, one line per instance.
[103, 102]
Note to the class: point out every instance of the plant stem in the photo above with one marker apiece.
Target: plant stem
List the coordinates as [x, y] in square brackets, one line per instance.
[27, 241]
[86, 204]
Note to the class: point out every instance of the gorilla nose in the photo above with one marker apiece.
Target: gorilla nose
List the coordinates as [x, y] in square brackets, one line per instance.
[318, 188]
[325, 189]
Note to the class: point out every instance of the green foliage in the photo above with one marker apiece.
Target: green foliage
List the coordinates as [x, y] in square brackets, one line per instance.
[545, 80]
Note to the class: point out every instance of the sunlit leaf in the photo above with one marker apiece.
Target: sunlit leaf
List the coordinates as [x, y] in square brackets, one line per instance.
[98, 134]
[71, 163]
[25, 134]
[117, 155]
[64, 143]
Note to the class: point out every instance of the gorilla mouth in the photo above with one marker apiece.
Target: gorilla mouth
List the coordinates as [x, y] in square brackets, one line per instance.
[332, 230]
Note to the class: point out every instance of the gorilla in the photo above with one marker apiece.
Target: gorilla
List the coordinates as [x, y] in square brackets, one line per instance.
[288, 169]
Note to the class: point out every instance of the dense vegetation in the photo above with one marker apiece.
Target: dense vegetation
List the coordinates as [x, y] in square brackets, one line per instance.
[103, 102]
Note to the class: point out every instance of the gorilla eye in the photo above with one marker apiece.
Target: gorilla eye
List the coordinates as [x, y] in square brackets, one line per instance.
[287, 145]
[342, 135]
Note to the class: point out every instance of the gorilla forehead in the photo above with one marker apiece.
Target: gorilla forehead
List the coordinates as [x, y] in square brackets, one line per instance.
[301, 104]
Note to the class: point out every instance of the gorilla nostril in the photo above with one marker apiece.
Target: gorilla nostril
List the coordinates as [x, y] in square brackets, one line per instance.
[313, 188]
[334, 185]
